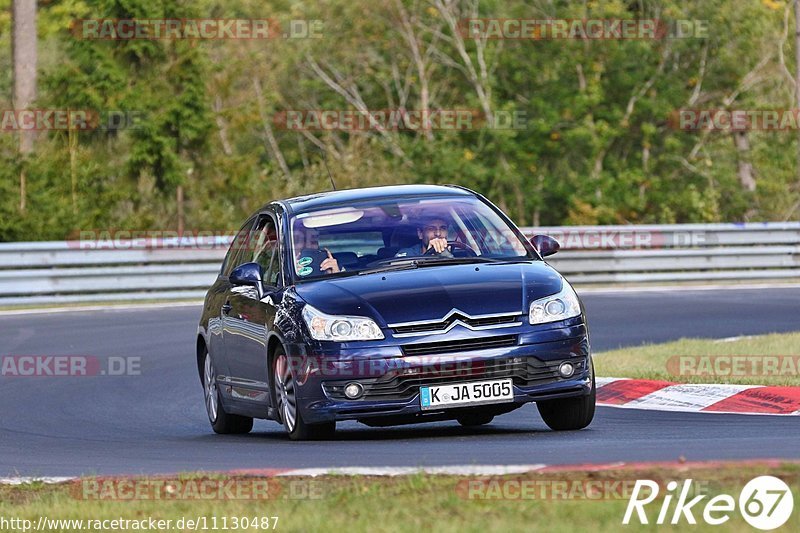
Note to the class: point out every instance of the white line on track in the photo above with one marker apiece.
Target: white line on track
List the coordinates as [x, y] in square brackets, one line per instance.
[457, 470]
[454, 470]
[123, 307]
[683, 288]
[713, 413]
[29, 480]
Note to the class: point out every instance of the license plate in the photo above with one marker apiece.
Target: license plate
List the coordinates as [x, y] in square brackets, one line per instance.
[460, 394]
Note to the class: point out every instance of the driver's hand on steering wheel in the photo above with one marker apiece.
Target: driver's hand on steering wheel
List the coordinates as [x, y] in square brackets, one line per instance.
[439, 245]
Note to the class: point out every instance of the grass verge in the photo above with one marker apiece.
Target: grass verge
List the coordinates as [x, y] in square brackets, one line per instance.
[759, 360]
[553, 501]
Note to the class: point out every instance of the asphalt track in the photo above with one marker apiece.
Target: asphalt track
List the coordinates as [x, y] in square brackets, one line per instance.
[156, 423]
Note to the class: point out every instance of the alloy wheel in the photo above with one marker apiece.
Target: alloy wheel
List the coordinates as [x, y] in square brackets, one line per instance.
[287, 401]
[210, 389]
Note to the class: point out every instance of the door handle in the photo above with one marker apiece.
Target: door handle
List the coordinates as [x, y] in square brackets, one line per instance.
[226, 308]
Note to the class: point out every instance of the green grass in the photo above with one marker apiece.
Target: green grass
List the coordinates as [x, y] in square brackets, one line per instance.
[411, 503]
[661, 361]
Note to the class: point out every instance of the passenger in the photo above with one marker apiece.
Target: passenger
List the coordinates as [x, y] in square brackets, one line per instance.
[308, 258]
[432, 233]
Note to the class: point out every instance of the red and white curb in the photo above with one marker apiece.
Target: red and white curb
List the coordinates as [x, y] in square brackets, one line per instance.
[667, 396]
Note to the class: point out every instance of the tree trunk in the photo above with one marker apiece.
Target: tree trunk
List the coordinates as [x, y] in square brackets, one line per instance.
[23, 51]
[179, 200]
[797, 76]
[222, 126]
[272, 143]
[744, 166]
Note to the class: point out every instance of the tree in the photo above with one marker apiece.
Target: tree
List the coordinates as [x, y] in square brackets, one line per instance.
[23, 50]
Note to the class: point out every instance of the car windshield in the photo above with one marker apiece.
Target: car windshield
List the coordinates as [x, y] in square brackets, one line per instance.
[397, 233]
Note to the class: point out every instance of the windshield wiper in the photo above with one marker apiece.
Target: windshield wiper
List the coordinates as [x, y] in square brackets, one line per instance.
[424, 261]
[407, 265]
[411, 263]
[516, 260]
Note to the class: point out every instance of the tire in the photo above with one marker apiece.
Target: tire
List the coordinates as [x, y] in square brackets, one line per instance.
[221, 422]
[477, 419]
[569, 413]
[286, 402]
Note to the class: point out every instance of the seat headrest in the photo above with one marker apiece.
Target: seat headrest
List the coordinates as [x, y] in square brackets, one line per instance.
[404, 236]
[346, 258]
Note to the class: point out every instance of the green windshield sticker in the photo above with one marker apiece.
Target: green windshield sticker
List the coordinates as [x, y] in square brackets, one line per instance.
[304, 261]
[305, 271]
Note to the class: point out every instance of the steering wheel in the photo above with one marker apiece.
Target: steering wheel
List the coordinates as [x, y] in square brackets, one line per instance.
[466, 249]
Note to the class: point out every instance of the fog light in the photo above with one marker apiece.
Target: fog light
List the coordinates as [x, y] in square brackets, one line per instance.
[566, 369]
[353, 390]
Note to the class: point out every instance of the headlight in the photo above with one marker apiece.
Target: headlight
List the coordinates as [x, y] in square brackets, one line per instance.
[340, 328]
[557, 307]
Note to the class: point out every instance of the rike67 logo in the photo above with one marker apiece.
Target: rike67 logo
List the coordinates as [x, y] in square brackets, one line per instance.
[765, 503]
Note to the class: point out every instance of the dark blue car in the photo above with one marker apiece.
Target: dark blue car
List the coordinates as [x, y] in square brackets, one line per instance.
[390, 305]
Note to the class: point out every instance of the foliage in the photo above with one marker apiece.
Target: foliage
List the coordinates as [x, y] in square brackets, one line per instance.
[599, 144]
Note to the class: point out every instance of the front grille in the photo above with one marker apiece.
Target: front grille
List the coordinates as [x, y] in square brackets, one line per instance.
[485, 343]
[442, 325]
[404, 383]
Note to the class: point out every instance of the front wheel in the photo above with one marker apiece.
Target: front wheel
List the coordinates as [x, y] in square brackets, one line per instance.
[569, 413]
[286, 397]
[221, 422]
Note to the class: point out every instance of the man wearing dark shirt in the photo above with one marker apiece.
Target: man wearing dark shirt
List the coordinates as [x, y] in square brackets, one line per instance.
[433, 234]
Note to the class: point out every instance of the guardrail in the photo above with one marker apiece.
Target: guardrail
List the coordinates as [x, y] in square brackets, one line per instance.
[676, 253]
[123, 270]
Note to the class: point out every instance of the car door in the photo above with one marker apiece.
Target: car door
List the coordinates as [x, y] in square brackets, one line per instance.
[252, 315]
[219, 294]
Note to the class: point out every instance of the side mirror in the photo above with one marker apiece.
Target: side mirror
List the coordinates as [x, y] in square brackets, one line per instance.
[247, 274]
[545, 244]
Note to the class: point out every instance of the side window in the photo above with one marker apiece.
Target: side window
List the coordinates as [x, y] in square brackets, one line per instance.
[272, 276]
[266, 249]
[237, 249]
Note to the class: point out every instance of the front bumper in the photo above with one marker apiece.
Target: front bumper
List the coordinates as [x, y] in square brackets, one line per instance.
[391, 381]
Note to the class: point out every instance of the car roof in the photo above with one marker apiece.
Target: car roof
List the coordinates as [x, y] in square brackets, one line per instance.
[320, 200]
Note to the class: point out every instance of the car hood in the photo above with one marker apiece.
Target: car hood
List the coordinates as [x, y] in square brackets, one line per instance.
[429, 293]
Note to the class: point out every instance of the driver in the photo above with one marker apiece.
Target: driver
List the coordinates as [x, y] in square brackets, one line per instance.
[432, 233]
